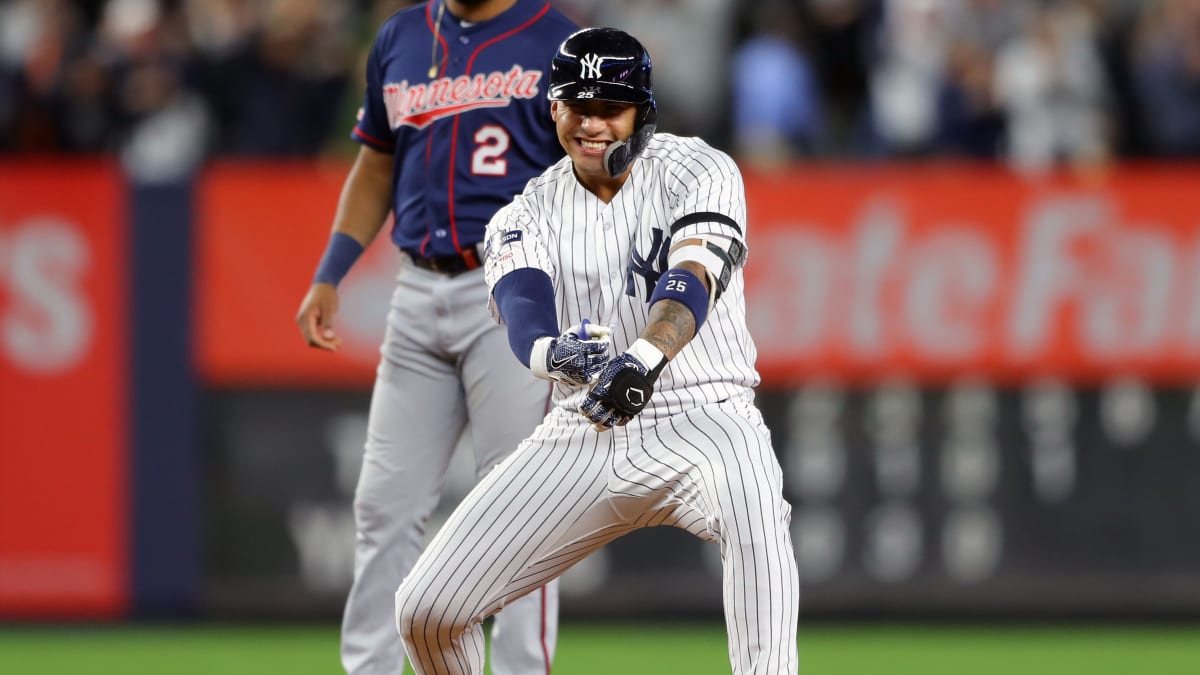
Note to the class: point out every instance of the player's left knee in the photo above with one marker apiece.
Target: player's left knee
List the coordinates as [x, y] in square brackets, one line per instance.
[409, 612]
[424, 616]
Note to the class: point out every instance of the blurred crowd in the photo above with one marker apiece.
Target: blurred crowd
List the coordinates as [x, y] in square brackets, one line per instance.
[1036, 83]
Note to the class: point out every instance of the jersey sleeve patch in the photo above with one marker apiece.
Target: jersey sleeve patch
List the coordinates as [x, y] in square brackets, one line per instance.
[514, 242]
[505, 238]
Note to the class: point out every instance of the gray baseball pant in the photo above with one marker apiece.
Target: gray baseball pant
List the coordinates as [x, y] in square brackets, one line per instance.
[444, 362]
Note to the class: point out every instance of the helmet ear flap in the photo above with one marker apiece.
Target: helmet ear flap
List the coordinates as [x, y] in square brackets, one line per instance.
[619, 156]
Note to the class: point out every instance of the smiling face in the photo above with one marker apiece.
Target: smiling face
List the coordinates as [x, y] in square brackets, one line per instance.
[586, 129]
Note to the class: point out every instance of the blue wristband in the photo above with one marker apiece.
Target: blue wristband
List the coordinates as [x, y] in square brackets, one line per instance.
[683, 286]
[339, 257]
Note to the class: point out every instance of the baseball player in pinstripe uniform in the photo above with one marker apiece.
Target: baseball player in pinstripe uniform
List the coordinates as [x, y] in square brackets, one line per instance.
[644, 233]
[452, 126]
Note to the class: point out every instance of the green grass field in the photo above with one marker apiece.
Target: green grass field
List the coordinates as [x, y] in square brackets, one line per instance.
[614, 649]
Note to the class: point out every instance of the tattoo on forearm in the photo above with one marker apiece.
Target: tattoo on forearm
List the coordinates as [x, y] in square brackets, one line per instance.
[669, 327]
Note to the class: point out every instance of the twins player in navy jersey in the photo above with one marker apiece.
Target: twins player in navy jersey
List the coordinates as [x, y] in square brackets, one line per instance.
[645, 233]
[453, 124]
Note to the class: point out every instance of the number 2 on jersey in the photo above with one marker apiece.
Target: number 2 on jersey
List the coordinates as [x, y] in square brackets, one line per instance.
[487, 160]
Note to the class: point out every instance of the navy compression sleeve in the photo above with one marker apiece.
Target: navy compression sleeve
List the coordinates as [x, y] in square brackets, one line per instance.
[525, 298]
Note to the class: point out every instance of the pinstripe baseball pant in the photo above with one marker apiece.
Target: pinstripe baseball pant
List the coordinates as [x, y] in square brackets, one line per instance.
[568, 490]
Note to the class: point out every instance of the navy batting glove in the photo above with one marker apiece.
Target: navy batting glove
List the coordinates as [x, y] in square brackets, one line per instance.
[624, 387]
[573, 357]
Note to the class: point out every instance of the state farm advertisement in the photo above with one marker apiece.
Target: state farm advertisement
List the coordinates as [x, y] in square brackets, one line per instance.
[937, 273]
[63, 390]
[856, 273]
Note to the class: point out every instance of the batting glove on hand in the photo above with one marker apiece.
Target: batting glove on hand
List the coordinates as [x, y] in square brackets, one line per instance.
[624, 386]
[573, 357]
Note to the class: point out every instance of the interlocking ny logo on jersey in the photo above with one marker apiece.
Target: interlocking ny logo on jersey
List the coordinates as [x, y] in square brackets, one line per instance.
[649, 267]
[420, 104]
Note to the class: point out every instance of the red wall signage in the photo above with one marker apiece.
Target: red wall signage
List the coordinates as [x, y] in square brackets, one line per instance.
[63, 391]
[856, 273]
[260, 231]
[935, 273]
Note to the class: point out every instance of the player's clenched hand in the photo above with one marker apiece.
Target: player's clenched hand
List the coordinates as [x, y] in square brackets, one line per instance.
[621, 391]
[316, 317]
[573, 357]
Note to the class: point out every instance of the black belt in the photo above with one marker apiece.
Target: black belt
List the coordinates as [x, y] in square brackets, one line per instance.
[453, 264]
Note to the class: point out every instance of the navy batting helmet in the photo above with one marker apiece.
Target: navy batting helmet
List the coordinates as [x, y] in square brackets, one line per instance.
[607, 64]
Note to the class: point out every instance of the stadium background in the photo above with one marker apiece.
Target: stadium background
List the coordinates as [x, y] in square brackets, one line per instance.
[974, 284]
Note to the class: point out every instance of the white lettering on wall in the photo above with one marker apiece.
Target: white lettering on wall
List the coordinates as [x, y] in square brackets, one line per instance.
[1070, 284]
[877, 243]
[46, 325]
[1047, 274]
[951, 285]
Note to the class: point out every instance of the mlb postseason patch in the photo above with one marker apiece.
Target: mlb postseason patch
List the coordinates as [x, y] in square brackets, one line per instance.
[510, 236]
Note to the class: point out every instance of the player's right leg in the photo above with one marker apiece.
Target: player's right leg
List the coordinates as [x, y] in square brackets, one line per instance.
[505, 402]
[540, 511]
[416, 415]
[727, 455]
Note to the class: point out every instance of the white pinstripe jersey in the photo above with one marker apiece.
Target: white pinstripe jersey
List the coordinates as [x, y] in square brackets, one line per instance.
[604, 260]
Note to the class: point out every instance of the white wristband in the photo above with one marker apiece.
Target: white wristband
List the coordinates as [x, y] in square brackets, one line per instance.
[537, 358]
[647, 353]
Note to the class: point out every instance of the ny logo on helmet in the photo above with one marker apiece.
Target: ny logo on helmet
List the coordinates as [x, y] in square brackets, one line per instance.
[591, 65]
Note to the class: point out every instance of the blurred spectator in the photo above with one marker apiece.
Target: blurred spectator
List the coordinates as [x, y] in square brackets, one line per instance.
[1166, 65]
[1036, 82]
[218, 27]
[1051, 84]
[40, 42]
[839, 37]
[690, 42]
[1116, 22]
[907, 76]
[278, 91]
[970, 123]
[84, 112]
[989, 24]
[164, 123]
[775, 99]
